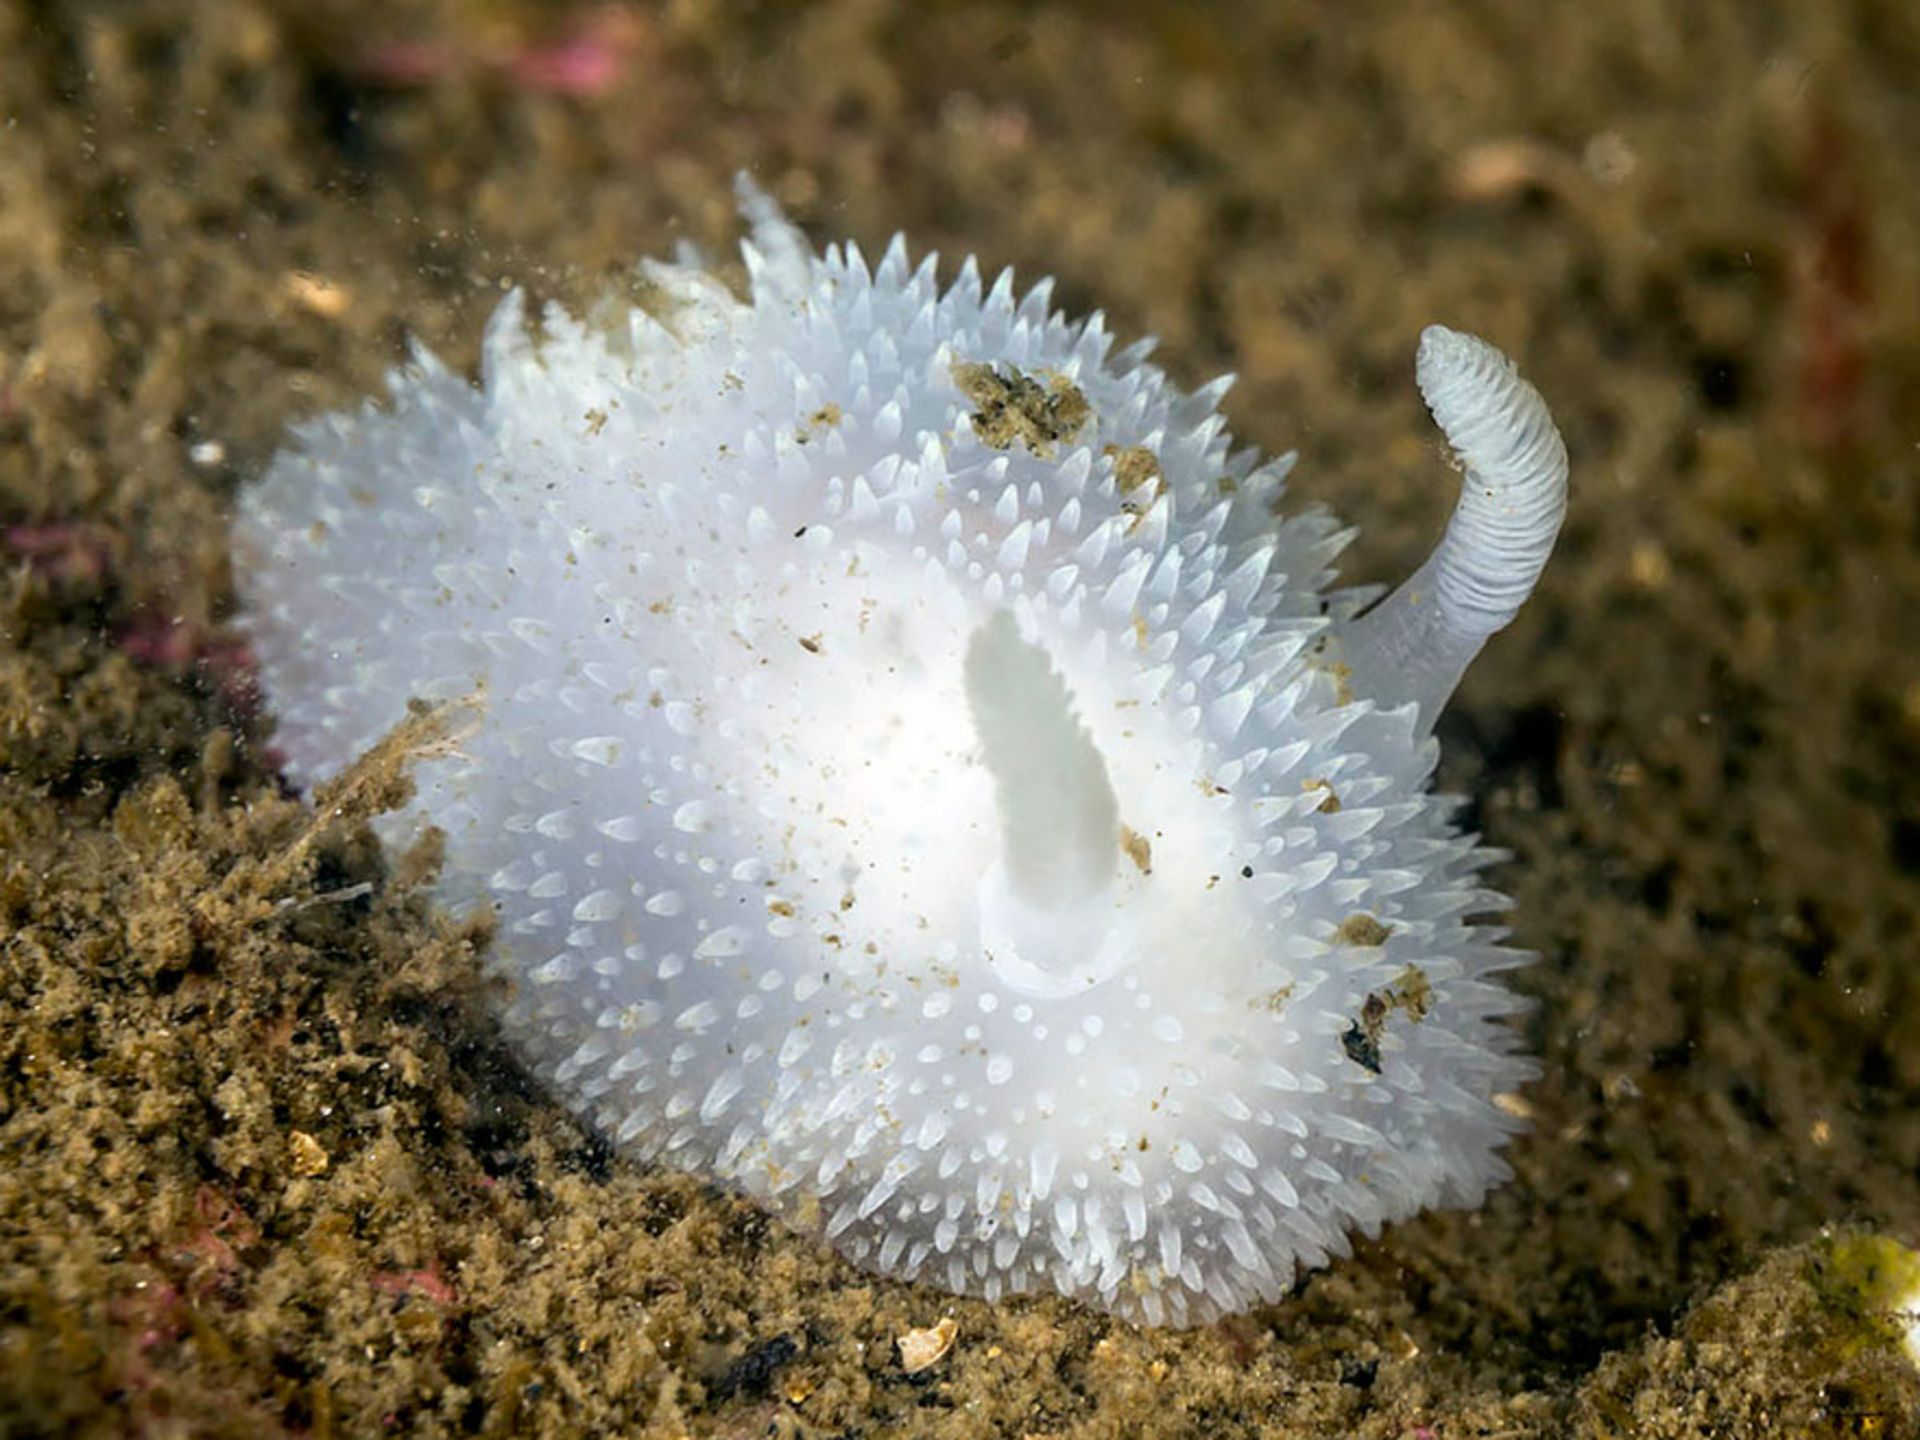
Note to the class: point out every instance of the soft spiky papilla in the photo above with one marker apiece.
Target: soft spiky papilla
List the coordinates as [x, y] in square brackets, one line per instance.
[718, 572]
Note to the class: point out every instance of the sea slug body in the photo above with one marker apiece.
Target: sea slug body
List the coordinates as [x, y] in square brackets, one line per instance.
[920, 780]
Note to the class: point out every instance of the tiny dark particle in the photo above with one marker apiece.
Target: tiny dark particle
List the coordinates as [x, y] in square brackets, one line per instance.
[753, 1372]
[1363, 1049]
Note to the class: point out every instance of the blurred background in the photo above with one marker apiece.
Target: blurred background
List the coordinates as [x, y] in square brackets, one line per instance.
[264, 1168]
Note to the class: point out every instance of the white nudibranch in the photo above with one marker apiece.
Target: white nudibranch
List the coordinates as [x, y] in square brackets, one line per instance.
[922, 782]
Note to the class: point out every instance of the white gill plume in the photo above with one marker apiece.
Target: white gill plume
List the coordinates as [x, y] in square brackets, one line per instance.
[1060, 823]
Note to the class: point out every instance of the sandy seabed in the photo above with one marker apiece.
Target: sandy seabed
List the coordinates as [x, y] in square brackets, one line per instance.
[265, 1167]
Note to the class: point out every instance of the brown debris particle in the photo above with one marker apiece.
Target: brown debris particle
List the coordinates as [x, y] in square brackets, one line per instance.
[1413, 993]
[1648, 566]
[305, 1156]
[1136, 848]
[1410, 992]
[1136, 468]
[1507, 1102]
[1496, 171]
[825, 418]
[1014, 406]
[811, 643]
[921, 1348]
[1362, 929]
[317, 295]
[1330, 805]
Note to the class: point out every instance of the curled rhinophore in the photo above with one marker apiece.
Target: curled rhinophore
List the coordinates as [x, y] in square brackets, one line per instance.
[1416, 644]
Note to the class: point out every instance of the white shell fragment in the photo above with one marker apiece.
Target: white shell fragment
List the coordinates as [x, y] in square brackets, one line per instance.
[921, 782]
[921, 1349]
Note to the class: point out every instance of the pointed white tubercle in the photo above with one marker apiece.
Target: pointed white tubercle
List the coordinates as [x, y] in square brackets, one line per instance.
[777, 254]
[1059, 820]
[1417, 643]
